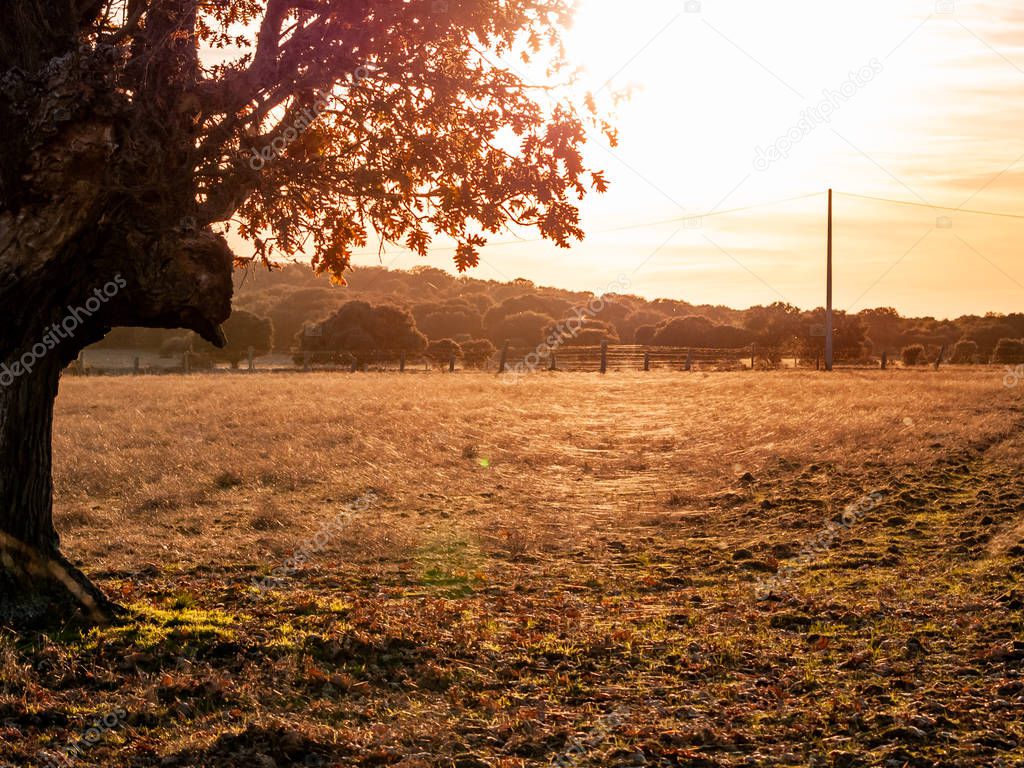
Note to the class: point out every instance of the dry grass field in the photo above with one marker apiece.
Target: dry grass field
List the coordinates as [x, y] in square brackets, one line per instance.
[620, 571]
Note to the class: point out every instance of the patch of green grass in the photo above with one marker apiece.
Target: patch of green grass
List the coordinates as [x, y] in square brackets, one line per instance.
[453, 582]
[451, 567]
[149, 627]
[183, 600]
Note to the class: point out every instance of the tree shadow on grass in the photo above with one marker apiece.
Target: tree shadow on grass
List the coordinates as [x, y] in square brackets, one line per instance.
[259, 746]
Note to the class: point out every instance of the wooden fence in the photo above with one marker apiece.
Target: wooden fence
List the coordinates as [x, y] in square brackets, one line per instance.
[608, 357]
[513, 360]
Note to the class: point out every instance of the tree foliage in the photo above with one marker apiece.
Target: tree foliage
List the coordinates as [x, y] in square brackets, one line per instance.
[361, 331]
[849, 336]
[293, 297]
[534, 302]
[477, 352]
[313, 125]
[523, 329]
[1009, 352]
[442, 351]
[243, 330]
[696, 331]
[449, 319]
[965, 352]
[589, 333]
[914, 354]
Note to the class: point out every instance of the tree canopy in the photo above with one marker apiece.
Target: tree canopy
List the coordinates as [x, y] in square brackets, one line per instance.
[142, 136]
[360, 331]
[312, 125]
[243, 330]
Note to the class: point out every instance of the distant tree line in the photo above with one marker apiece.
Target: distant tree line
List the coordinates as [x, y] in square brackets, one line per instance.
[427, 311]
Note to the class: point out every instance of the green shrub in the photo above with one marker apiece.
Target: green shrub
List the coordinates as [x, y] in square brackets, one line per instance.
[914, 355]
[965, 352]
[477, 352]
[1009, 352]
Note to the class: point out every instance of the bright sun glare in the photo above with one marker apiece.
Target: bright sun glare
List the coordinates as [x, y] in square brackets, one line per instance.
[745, 103]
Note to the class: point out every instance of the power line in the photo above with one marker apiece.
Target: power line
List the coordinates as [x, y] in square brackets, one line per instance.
[933, 207]
[645, 224]
[712, 213]
[755, 206]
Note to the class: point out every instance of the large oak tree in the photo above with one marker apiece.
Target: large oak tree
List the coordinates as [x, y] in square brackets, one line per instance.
[139, 133]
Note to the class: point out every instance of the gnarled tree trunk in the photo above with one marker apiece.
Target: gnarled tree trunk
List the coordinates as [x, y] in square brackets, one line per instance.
[181, 279]
[76, 261]
[97, 230]
[35, 579]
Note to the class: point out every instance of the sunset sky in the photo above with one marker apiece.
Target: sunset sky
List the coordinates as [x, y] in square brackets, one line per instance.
[927, 104]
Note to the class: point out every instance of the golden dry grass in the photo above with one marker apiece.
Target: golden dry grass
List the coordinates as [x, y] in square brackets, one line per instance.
[570, 560]
[232, 468]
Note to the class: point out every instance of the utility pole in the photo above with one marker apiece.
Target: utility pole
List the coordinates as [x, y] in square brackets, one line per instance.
[828, 298]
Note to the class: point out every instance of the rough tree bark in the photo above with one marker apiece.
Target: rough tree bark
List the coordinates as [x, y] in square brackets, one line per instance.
[77, 259]
[97, 229]
[185, 282]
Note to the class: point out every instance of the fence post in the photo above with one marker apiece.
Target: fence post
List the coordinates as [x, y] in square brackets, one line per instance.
[252, 361]
[689, 360]
[885, 360]
[817, 361]
[401, 363]
[752, 355]
[503, 364]
[552, 365]
[604, 357]
[186, 362]
[942, 354]
[135, 367]
[305, 361]
[647, 361]
[451, 364]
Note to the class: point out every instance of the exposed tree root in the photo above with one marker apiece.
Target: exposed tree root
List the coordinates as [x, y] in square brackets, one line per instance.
[37, 589]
